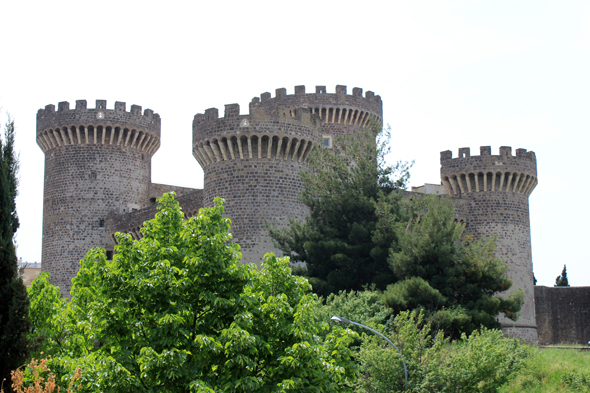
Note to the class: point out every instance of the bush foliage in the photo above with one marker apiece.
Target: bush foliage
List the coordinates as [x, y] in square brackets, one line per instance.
[480, 362]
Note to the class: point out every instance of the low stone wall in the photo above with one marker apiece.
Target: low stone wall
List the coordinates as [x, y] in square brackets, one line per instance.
[157, 190]
[563, 314]
[190, 204]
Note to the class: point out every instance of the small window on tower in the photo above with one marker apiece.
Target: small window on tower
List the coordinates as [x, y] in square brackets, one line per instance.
[93, 175]
[327, 141]
[101, 223]
[109, 255]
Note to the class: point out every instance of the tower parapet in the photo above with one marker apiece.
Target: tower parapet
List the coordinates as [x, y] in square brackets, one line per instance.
[253, 161]
[99, 125]
[283, 134]
[97, 163]
[492, 193]
[340, 113]
[489, 173]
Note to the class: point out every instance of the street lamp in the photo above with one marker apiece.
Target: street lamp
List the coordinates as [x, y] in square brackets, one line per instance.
[344, 320]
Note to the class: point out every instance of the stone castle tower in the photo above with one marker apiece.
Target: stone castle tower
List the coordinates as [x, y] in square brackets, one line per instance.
[97, 161]
[491, 193]
[98, 166]
[253, 161]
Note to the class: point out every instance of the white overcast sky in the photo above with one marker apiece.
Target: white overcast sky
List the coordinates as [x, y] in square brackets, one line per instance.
[451, 74]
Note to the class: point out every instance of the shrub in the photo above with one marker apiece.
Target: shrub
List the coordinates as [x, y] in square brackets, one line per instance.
[480, 362]
[364, 307]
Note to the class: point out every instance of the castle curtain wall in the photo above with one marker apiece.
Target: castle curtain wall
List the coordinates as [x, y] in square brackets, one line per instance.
[563, 314]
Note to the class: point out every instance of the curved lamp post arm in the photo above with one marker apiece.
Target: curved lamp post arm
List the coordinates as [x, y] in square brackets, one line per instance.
[344, 320]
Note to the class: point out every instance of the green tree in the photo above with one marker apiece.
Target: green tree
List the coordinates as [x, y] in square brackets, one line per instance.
[561, 280]
[341, 188]
[48, 329]
[14, 303]
[176, 311]
[362, 231]
[440, 270]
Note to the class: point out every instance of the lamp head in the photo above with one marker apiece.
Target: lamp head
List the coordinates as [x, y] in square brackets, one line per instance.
[339, 319]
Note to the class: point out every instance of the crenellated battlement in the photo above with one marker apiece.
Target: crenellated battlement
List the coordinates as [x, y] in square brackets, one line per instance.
[261, 119]
[332, 108]
[99, 125]
[257, 112]
[505, 151]
[321, 91]
[282, 133]
[49, 117]
[487, 172]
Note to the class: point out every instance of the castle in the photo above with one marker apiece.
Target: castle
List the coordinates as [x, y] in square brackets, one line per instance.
[98, 177]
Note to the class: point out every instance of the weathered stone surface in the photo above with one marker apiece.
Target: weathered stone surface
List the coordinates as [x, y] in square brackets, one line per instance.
[95, 166]
[253, 161]
[563, 314]
[490, 193]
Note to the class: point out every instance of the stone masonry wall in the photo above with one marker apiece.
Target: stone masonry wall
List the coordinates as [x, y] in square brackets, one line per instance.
[190, 202]
[97, 163]
[491, 194]
[157, 190]
[256, 191]
[83, 185]
[339, 112]
[99, 115]
[563, 314]
[253, 162]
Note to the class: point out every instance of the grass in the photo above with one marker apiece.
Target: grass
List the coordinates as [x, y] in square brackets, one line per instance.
[552, 370]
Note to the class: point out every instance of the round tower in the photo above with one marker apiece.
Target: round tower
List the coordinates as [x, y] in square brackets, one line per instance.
[492, 194]
[97, 162]
[253, 162]
[339, 113]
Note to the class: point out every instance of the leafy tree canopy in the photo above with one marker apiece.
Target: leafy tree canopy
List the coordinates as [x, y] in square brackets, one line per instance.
[176, 311]
[14, 304]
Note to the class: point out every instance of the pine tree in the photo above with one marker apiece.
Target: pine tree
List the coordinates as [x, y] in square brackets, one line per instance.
[14, 303]
[341, 189]
[561, 280]
[453, 277]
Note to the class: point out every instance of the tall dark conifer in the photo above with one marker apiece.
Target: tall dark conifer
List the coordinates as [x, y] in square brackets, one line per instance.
[341, 189]
[561, 280]
[14, 303]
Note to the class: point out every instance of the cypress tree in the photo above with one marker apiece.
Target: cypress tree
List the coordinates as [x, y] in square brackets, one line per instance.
[561, 280]
[14, 303]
